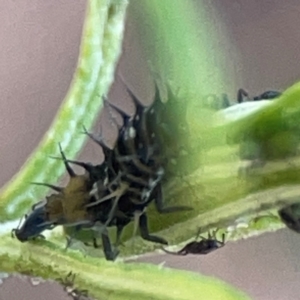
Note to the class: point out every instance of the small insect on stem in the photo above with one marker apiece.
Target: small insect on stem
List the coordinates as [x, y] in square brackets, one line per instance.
[204, 246]
[33, 226]
[68, 283]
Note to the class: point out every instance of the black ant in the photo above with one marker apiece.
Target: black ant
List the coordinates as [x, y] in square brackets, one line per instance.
[204, 246]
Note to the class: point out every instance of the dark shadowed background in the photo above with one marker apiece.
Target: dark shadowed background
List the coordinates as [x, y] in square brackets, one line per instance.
[39, 49]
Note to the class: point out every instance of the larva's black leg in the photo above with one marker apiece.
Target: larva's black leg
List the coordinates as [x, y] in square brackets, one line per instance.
[158, 200]
[109, 252]
[144, 230]
[53, 187]
[241, 94]
[69, 169]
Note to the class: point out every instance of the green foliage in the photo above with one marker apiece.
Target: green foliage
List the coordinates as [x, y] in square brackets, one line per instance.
[205, 175]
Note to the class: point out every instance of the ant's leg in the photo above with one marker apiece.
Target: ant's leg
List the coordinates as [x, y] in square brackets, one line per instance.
[143, 225]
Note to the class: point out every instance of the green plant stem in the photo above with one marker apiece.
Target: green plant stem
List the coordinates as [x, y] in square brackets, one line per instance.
[107, 280]
[100, 50]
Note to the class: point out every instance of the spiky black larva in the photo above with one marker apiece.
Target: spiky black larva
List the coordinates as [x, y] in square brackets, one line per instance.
[140, 169]
[116, 191]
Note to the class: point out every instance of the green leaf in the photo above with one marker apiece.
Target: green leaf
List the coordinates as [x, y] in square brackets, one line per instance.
[206, 177]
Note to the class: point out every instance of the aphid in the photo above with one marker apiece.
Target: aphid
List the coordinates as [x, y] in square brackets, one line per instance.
[267, 95]
[290, 216]
[213, 101]
[34, 224]
[204, 246]
[68, 283]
